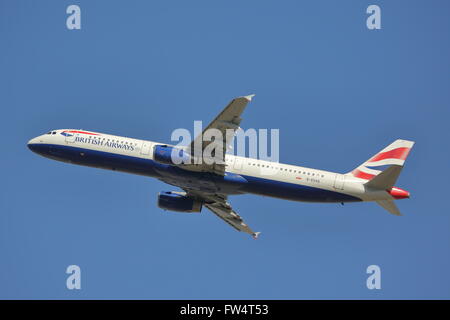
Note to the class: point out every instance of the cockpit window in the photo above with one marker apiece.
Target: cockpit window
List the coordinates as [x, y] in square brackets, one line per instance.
[49, 132]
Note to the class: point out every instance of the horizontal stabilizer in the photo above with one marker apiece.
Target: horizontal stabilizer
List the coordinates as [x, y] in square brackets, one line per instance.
[390, 206]
[386, 179]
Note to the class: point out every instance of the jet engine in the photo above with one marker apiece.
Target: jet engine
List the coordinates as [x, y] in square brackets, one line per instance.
[170, 155]
[178, 201]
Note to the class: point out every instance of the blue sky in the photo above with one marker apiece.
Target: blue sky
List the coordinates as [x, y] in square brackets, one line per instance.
[337, 91]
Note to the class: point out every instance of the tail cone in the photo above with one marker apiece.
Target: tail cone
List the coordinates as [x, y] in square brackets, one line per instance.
[398, 193]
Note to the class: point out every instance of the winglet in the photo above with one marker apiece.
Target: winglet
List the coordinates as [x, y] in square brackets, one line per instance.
[249, 97]
[255, 235]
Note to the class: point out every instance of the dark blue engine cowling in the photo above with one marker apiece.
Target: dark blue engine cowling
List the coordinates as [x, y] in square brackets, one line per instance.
[174, 201]
[170, 155]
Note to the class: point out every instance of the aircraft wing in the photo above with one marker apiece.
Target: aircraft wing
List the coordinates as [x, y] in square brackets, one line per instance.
[218, 204]
[229, 118]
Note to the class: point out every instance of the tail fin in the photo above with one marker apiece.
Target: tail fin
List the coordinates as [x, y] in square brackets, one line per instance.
[394, 154]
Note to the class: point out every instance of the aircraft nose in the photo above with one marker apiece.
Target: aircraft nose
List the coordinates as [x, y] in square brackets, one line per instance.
[32, 144]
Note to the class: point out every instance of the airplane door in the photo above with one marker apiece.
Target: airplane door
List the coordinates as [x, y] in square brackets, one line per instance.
[339, 181]
[70, 138]
[145, 149]
[237, 163]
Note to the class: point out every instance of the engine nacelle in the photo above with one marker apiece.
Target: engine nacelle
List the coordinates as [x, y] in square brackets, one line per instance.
[170, 155]
[178, 201]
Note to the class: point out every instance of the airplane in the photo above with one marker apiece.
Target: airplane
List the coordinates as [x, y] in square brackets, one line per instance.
[209, 184]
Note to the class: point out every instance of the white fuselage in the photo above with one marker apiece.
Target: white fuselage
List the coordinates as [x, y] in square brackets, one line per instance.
[261, 177]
